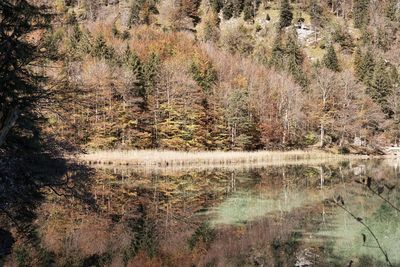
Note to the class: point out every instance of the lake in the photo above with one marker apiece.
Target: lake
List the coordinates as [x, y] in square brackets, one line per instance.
[315, 214]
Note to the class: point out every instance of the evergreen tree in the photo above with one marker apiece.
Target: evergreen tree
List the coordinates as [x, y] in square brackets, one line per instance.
[391, 9]
[286, 15]
[383, 39]
[316, 13]
[216, 5]
[227, 10]
[278, 53]
[294, 58]
[237, 7]
[361, 13]
[248, 13]
[243, 133]
[85, 45]
[250, 9]
[330, 59]
[20, 88]
[204, 74]
[357, 58]
[101, 49]
[381, 86]
[115, 31]
[150, 70]
[134, 12]
[364, 67]
[134, 64]
[75, 37]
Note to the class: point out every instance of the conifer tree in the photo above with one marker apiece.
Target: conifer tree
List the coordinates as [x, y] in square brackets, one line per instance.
[294, 58]
[361, 13]
[138, 83]
[75, 38]
[248, 14]
[330, 59]
[249, 10]
[100, 48]
[216, 5]
[240, 121]
[364, 67]
[391, 9]
[286, 15]
[19, 91]
[227, 10]
[381, 86]
[278, 53]
[150, 70]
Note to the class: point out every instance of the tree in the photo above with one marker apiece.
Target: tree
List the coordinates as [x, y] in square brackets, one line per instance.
[330, 59]
[286, 15]
[324, 88]
[216, 5]
[361, 13]
[150, 70]
[101, 49]
[20, 90]
[294, 58]
[364, 66]
[240, 121]
[381, 86]
[390, 9]
[227, 10]
[277, 53]
[250, 9]
[137, 82]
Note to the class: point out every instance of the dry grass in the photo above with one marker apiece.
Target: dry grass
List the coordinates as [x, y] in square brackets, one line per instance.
[151, 158]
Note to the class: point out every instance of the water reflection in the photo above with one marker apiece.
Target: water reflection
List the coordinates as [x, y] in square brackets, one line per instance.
[264, 216]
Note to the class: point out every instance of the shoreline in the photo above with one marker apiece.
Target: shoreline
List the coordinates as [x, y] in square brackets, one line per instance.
[165, 158]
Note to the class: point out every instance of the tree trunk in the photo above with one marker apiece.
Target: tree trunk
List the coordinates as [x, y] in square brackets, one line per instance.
[9, 122]
[322, 135]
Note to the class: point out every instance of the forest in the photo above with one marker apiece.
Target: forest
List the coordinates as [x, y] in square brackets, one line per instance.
[221, 75]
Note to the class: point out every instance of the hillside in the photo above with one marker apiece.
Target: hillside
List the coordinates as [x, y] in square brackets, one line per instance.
[225, 75]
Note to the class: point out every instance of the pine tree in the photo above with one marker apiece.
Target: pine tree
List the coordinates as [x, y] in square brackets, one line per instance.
[75, 36]
[391, 9]
[216, 5]
[134, 64]
[20, 90]
[364, 68]
[381, 86]
[278, 53]
[150, 70]
[294, 58]
[249, 10]
[237, 7]
[361, 13]
[286, 15]
[330, 59]
[227, 10]
[243, 131]
[204, 74]
[101, 49]
[115, 31]
[248, 13]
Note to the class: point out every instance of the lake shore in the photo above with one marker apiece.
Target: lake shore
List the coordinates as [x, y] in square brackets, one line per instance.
[151, 158]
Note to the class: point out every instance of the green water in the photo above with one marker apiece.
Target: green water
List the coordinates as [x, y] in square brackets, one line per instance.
[266, 216]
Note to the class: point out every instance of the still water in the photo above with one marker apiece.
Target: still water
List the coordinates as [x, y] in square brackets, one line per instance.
[289, 215]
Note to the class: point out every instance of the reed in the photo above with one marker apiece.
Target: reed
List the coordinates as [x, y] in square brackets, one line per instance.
[179, 158]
